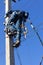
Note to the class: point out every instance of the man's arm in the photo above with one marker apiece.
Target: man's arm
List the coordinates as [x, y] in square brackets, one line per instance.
[8, 13]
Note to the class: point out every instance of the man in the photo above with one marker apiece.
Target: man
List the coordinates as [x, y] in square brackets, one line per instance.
[16, 22]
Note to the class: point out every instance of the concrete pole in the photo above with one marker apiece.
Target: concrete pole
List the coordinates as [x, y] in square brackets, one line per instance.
[9, 41]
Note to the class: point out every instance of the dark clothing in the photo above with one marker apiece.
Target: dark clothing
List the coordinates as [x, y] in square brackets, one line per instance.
[17, 18]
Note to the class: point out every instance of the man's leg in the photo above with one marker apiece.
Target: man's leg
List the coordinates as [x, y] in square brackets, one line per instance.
[18, 36]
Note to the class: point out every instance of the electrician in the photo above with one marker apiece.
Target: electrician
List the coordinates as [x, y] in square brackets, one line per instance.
[18, 18]
[21, 26]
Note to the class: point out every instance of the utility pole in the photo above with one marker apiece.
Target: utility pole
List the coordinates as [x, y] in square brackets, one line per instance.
[9, 27]
[9, 41]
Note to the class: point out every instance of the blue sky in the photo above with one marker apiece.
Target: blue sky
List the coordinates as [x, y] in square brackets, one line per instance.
[30, 50]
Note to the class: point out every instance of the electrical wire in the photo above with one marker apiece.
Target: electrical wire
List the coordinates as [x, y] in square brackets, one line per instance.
[23, 40]
[33, 27]
[32, 34]
[18, 57]
[41, 61]
[36, 28]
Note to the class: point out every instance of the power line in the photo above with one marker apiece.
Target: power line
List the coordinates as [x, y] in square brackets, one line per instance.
[34, 28]
[41, 61]
[18, 57]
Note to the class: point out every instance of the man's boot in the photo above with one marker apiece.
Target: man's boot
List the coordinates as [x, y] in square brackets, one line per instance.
[16, 44]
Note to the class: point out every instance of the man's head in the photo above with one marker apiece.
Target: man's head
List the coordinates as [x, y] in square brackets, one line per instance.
[24, 15]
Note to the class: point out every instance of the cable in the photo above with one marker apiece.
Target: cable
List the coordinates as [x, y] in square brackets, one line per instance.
[33, 27]
[37, 30]
[18, 56]
[41, 61]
